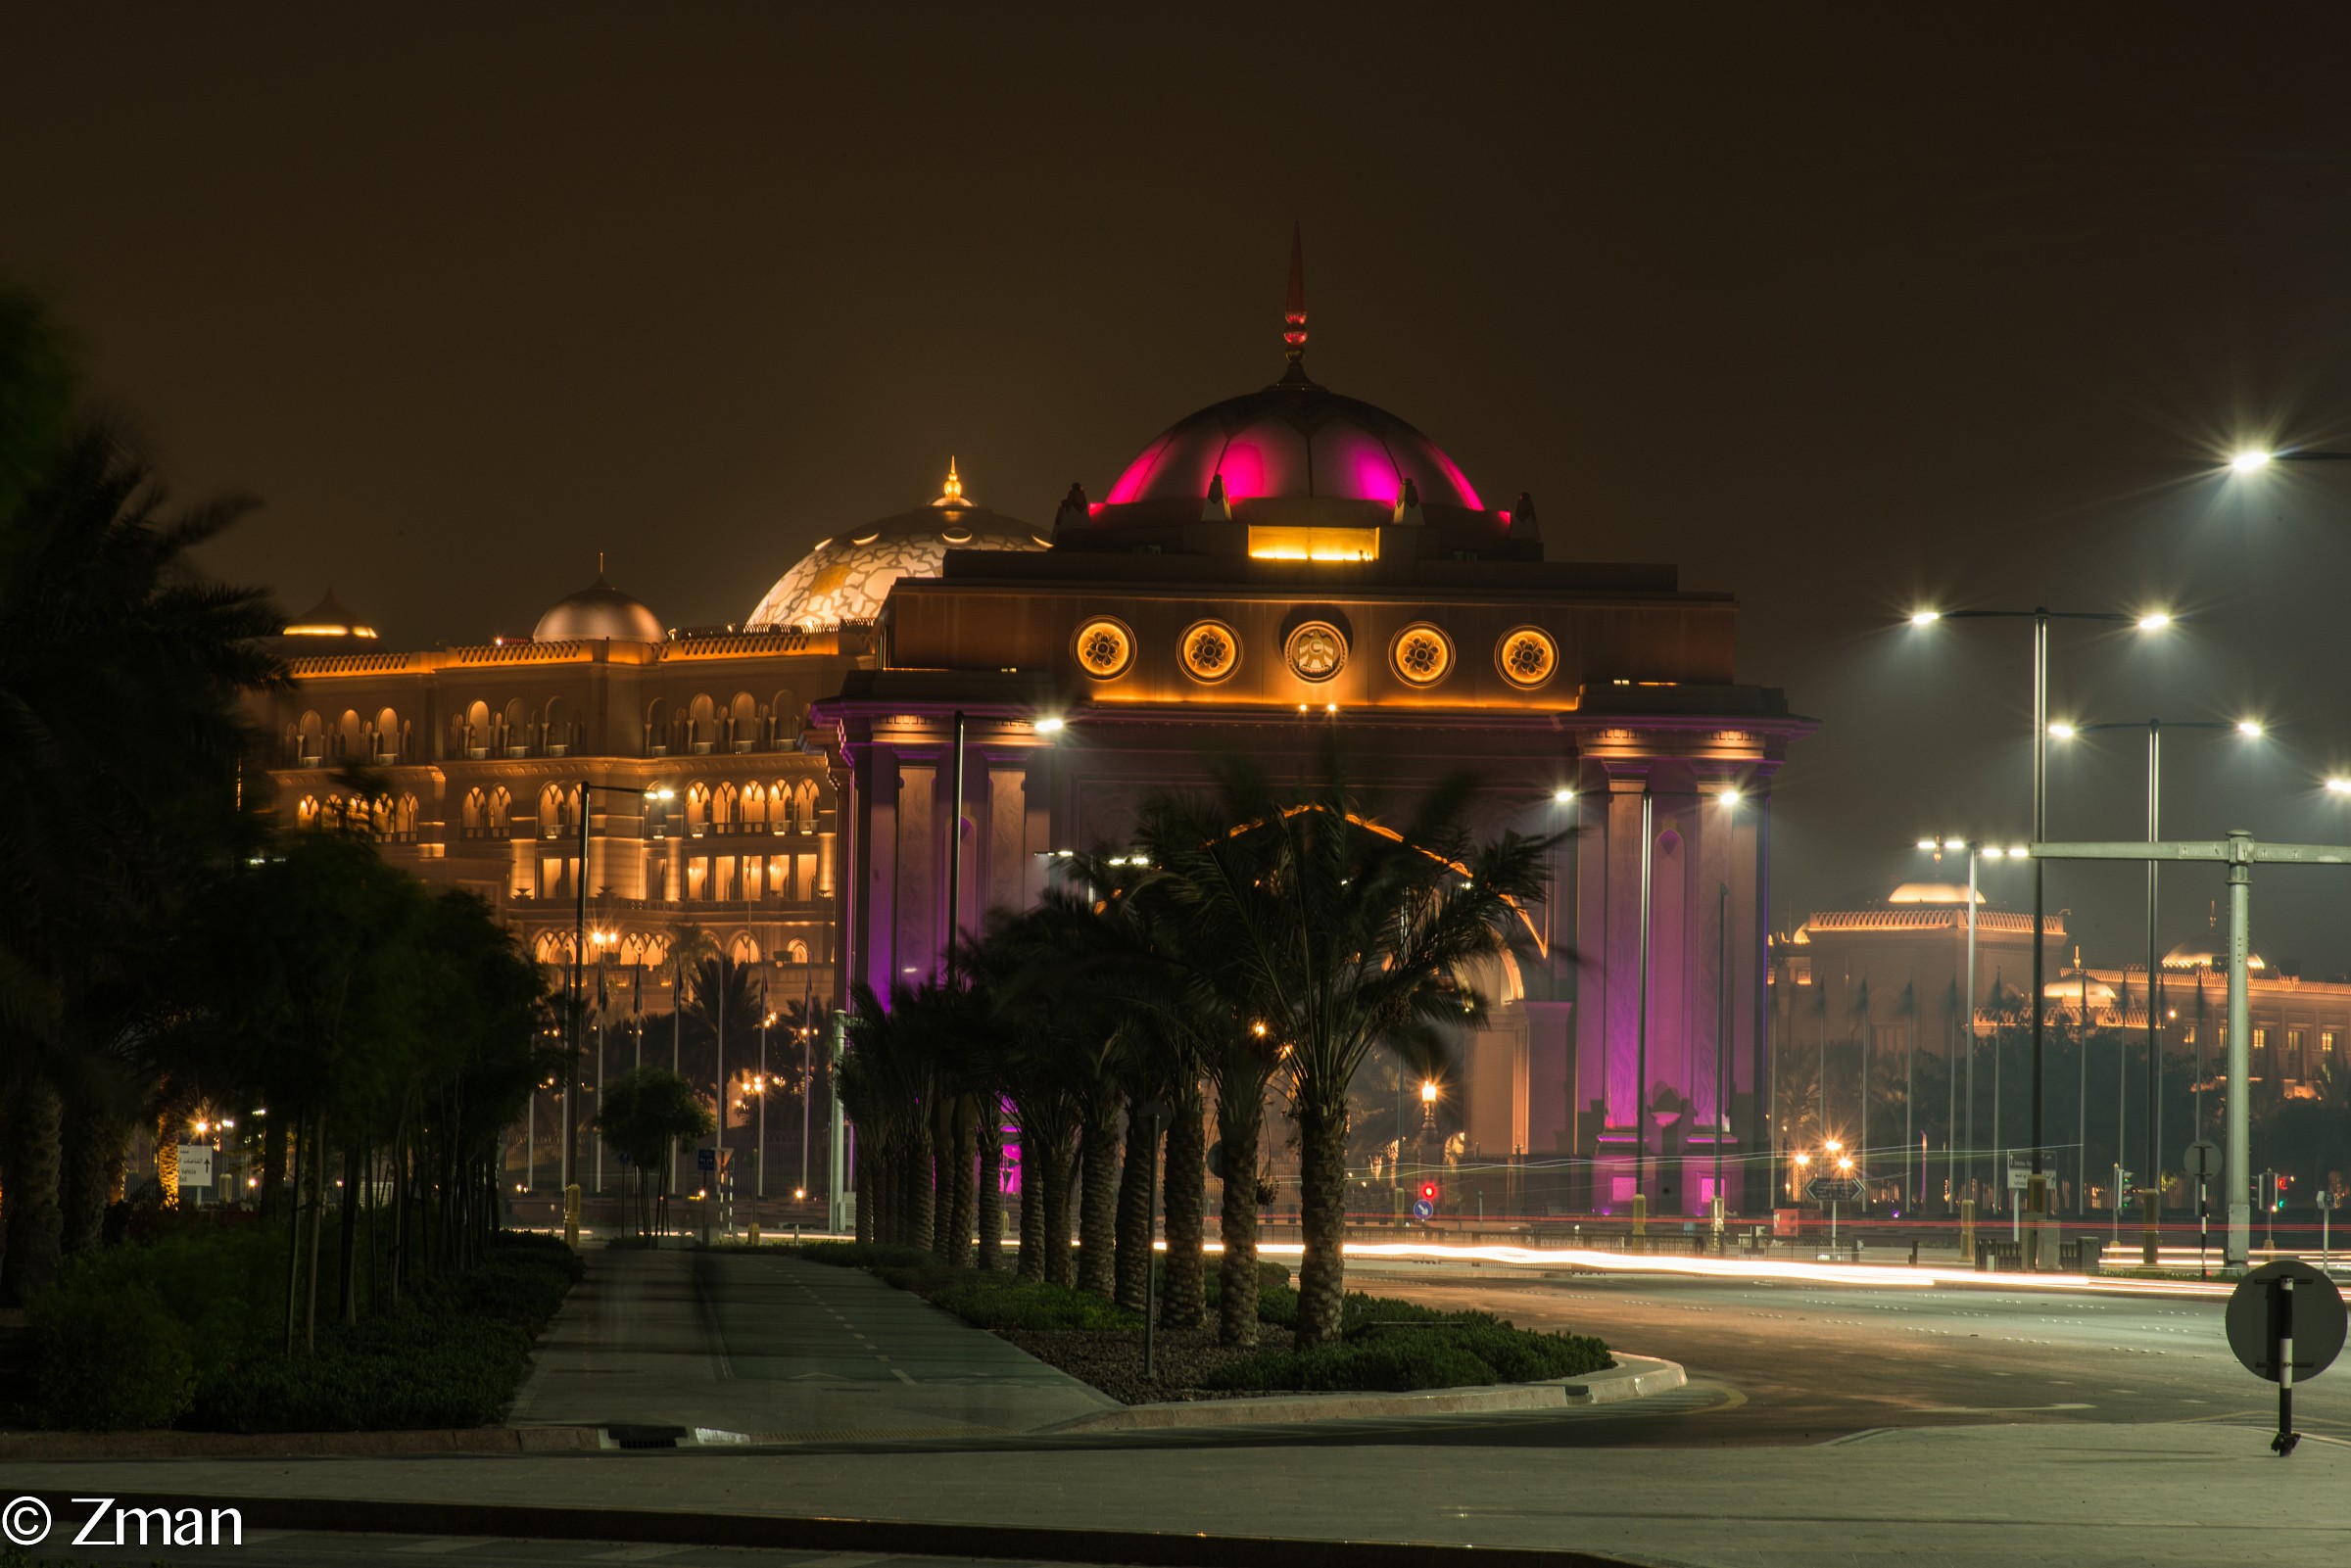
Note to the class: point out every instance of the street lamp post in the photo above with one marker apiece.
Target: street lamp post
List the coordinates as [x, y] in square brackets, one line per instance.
[1976, 850]
[2251, 730]
[579, 942]
[2038, 1193]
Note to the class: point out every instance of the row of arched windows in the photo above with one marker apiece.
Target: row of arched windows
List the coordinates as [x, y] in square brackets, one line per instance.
[315, 740]
[781, 807]
[651, 949]
[392, 818]
[518, 730]
[703, 726]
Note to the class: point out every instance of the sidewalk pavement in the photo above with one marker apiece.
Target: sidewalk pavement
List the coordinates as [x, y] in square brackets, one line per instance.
[781, 1350]
[2088, 1497]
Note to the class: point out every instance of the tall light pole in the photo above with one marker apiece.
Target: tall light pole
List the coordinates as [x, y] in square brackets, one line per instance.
[2251, 730]
[2038, 1193]
[579, 942]
[1976, 850]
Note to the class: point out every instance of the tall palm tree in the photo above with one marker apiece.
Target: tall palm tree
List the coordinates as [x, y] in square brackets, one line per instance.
[1356, 933]
[106, 631]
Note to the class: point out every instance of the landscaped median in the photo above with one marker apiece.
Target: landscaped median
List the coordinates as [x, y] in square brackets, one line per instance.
[1386, 1347]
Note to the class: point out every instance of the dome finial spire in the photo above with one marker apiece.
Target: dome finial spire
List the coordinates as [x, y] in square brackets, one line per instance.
[1293, 310]
[952, 495]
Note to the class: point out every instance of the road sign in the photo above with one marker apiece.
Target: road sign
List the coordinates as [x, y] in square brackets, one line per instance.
[1422, 1208]
[195, 1164]
[2324, 1199]
[1834, 1189]
[2202, 1158]
[2286, 1323]
[2317, 1325]
[705, 1160]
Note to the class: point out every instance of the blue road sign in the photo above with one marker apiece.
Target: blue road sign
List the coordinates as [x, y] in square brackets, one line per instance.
[1422, 1208]
[705, 1160]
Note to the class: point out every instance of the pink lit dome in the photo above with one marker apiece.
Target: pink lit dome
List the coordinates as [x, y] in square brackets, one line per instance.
[1294, 439]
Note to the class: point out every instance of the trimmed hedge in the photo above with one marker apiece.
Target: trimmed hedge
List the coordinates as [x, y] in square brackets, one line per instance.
[162, 1335]
[1433, 1355]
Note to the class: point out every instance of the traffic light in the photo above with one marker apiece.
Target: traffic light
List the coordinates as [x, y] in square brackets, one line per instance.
[2277, 1193]
[1428, 1192]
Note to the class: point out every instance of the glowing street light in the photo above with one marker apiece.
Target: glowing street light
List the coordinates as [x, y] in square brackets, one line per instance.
[2339, 784]
[1050, 726]
[2061, 731]
[1925, 617]
[2250, 729]
[2251, 460]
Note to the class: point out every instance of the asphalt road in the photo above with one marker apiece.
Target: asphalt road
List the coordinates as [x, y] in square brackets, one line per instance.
[1803, 1362]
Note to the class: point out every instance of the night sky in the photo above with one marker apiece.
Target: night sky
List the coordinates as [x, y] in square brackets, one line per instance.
[1837, 315]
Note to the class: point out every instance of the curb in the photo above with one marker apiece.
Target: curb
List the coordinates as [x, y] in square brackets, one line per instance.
[1631, 1378]
[1028, 1542]
[295, 1445]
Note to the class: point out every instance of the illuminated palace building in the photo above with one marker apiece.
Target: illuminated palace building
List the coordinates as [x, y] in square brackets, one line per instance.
[1275, 569]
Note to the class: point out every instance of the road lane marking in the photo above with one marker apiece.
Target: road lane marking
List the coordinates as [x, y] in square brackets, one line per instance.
[1999, 1409]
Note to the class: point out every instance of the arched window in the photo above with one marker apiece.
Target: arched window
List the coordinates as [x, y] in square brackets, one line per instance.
[784, 719]
[380, 813]
[553, 947]
[312, 737]
[783, 809]
[387, 736]
[755, 808]
[797, 952]
[306, 815]
[558, 722]
[555, 810]
[656, 729]
[352, 736]
[472, 813]
[331, 814]
[746, 950]
[514, 728]
[502, 810]
[701, 723]
[404, 823]
[742, 721]
[722, 813]
[805, 801]
[656, 950]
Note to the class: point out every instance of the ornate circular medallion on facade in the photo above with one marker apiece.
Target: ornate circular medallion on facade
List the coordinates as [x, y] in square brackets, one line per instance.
[1420, 654]
[1527, 657]
[1316, 651]
[1105, 648]
[1212, 651]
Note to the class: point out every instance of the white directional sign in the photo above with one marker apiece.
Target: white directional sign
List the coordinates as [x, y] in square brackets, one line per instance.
[195, 1164]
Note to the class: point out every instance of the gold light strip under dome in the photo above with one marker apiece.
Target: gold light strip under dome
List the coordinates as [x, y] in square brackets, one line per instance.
[1295, 544]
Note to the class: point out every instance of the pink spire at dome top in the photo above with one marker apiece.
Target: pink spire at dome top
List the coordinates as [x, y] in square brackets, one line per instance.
[1294, 439]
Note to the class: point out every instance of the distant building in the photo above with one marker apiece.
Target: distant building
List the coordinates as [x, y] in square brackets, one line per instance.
[1275, 569]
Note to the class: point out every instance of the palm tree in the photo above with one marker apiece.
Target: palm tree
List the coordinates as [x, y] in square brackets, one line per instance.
[1355, 934]
[104, 632]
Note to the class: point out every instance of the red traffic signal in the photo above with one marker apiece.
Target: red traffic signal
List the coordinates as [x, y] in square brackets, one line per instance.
[1428, 1191]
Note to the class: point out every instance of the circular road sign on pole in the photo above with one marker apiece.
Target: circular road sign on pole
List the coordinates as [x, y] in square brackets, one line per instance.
[2286, 1323]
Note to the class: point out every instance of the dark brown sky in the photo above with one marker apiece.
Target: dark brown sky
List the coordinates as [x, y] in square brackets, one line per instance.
[1833, 312]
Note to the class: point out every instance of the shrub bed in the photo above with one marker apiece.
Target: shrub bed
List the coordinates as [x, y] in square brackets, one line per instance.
[1387, 1345]
[185, 1331]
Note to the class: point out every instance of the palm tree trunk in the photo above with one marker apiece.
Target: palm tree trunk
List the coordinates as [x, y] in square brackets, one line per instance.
[942, 1183]
[1240, 1124]
[1322, 1220]
[1135, 1217]
[1030, 1263]
[988, 1197]
[92, 1145]
[32, 1157]
[963, 1187]
[1183, 1302]
[317, 1184]
[1098, 1199]
[862, 1175]
[1056, 1239]
[921, 1197]
[347, 1243]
